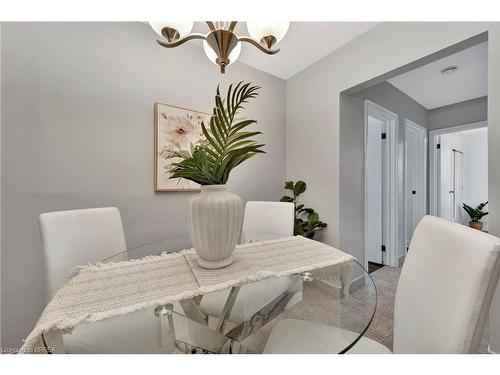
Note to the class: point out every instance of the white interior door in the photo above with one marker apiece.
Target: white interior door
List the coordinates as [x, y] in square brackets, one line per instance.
[457, 192]
[382, 238]
[416, 176]
[450, 179]
[374, 188]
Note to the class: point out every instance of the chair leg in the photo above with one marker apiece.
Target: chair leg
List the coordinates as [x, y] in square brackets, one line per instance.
[231, 299]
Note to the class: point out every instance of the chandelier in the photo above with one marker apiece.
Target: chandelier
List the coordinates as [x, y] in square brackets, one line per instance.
[222, 46]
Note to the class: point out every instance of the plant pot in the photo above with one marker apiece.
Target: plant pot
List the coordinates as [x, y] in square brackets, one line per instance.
[476, 225]
[215, 219]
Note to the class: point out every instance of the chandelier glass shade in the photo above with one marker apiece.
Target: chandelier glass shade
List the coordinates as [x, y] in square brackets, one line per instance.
[212, 55]
[264, 32]
[221, 45]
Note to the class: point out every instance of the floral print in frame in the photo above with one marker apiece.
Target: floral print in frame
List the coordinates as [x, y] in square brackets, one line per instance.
[176, 128]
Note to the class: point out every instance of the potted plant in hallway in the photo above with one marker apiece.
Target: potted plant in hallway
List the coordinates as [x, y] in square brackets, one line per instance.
[216, 215]
[476, 214]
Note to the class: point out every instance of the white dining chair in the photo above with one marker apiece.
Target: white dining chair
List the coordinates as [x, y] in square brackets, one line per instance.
[78, 237]
[261, 221]
[267, 221]
[442, 300]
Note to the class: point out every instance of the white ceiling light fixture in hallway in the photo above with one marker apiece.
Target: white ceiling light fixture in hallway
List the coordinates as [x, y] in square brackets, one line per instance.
[222, 46]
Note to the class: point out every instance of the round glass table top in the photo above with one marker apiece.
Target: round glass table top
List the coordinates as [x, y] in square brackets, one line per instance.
[341, 298]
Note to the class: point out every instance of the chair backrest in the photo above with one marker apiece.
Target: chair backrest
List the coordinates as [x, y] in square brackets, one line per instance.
[445, 289]
[267, 220]
[76, 237]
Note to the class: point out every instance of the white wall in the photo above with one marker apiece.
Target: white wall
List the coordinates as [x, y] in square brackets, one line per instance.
[475, 145]
[494, 166]
[0, 184]
[352, 115]
[78, 117]
[313, 111]
[475, 110]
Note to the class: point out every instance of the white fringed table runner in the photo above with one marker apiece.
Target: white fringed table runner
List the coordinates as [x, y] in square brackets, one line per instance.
[107, 290]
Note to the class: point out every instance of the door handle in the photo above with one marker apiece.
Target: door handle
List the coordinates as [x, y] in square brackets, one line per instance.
[452, 192]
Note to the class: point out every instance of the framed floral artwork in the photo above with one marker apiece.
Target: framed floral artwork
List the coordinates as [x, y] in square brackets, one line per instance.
[176, 128]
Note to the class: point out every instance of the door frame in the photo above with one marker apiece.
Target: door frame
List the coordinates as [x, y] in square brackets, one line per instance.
[391, 120]
[408, 123]
[435, 159]
[455, 216]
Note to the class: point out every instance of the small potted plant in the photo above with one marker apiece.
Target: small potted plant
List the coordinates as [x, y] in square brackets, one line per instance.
[476, 214]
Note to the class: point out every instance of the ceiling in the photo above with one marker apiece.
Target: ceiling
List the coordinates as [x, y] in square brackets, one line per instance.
[304, 44]
[429, 87]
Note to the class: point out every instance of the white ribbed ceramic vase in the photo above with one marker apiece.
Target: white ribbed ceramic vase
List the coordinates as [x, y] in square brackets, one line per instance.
[215, 219]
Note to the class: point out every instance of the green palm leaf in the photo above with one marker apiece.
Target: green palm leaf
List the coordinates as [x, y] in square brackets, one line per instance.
[226, 144]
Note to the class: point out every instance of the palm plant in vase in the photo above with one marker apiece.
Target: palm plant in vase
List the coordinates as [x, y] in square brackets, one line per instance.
[216, 215]
[476, 214]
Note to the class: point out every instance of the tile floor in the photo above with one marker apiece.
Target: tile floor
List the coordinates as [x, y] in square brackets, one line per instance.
[320, 306]
[381, 328]
[386, 281]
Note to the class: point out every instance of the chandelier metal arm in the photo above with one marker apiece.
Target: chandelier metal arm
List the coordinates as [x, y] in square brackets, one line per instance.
[232, 25]
[182, 40]
[258, 45]
[219, 43]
